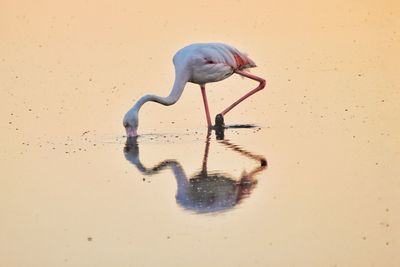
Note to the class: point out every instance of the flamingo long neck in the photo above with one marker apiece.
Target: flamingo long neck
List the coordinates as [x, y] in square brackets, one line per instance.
[172, 98]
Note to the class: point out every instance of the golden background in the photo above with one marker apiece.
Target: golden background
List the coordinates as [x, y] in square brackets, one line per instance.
[69, 70]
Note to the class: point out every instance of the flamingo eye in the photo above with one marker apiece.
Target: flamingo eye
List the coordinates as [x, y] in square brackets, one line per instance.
[209, 61]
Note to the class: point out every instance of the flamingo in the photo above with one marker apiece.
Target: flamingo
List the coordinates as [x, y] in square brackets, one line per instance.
[200, 63]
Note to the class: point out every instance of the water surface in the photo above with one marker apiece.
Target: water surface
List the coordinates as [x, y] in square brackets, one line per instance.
[315, 183]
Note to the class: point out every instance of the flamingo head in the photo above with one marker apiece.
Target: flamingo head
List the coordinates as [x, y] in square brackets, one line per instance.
[131, 123]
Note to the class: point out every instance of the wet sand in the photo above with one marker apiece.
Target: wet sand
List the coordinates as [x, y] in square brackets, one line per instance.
[75, 193]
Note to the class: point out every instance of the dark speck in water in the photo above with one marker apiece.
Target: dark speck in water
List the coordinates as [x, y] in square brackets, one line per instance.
[89, 238]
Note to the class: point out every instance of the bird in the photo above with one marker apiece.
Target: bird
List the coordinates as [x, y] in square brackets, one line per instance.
[199, 63]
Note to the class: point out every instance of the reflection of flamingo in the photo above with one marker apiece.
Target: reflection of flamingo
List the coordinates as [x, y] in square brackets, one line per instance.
[205, 191]
[200, 64]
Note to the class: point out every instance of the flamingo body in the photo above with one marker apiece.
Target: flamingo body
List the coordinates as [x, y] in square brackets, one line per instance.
[211, 62]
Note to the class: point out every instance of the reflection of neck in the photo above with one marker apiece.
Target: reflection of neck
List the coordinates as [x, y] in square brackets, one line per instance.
[132, 155]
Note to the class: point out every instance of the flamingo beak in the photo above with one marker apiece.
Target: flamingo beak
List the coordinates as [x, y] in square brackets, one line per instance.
[131, 132]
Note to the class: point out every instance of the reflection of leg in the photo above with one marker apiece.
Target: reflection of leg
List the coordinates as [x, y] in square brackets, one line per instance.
[246, 185]
[207, 148]
[219, 121]
[247, 181]
[203, 93]
[258, 88]
[219, 132]
[259, 158]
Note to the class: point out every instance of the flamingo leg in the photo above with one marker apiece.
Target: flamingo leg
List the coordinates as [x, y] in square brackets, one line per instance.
[255, 90]
[203, 93]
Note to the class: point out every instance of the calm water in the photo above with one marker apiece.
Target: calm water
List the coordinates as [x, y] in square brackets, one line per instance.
[314, 183]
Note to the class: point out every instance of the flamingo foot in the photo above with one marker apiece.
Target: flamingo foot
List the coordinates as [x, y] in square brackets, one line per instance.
[219, 121]
[219, 127]
[263, 162]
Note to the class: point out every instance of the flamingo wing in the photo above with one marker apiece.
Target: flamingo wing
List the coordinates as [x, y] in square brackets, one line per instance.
[211, 62]
[225, 54]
